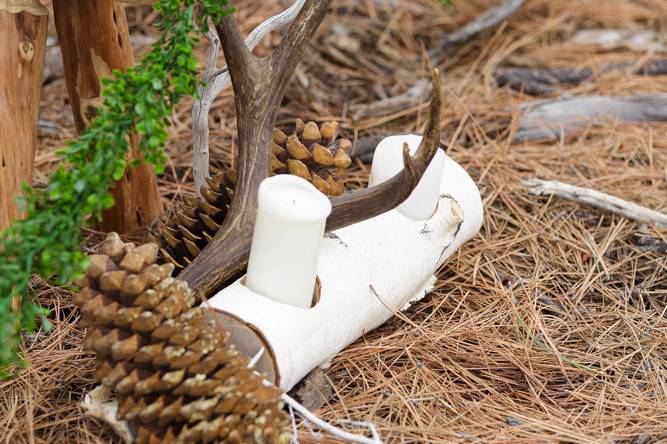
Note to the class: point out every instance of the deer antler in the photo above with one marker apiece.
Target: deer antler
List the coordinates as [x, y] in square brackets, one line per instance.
[259, 86]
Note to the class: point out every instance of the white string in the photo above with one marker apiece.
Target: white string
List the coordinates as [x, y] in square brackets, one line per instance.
[331, 429]
[295, 433]
[310, 417]
[256, 358]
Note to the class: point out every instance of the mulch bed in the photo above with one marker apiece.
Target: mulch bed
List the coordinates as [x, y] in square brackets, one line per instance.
[548, 326]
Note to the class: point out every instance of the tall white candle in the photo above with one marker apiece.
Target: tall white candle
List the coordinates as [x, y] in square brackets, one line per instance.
[388, 161]
[286, 242]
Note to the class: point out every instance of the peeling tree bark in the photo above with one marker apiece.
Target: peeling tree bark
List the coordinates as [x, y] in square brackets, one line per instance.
[23, 27]
[94, 39]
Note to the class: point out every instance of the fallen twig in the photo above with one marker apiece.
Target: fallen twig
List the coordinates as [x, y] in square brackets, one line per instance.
[619, 38]
[420, 92]
[489, 19]
[537, 82]
[597, 199]
[553, 119]
[215, 80]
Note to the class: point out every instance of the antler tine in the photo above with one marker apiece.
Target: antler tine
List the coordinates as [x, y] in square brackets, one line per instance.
[371, 202]
[259, 86]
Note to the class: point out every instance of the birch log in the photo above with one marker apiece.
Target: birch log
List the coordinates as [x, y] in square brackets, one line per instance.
[23, 27]
[368, 272]
[94, 39]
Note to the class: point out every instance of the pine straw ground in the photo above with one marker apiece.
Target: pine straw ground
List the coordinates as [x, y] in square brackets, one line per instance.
[548, 326]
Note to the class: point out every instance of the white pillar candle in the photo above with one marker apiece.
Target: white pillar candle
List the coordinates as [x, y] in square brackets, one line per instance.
[291, 217]
[388, 161]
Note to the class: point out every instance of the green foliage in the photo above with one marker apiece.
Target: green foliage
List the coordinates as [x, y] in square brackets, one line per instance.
[47, 241]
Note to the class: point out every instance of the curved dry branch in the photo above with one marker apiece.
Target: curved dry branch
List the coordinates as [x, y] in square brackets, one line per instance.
[553, 119]
[535, 82]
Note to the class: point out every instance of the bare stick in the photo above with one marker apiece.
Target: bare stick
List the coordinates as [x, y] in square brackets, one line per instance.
[489, 19]
[553, 119]
[413, 96]
[546, 81]
[597, 199]
[208, 91]
[215, 80]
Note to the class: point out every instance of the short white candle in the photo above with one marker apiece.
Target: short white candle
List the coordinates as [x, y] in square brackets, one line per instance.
[388, 161]
[290, 223]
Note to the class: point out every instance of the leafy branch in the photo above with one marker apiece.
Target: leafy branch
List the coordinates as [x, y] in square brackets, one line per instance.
[142, 99]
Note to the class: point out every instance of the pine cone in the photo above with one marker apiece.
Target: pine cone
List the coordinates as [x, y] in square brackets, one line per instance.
[172, 368]
[183, 236]
[312, 152]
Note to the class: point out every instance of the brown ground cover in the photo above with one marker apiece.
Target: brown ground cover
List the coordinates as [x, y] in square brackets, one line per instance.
[548, 326]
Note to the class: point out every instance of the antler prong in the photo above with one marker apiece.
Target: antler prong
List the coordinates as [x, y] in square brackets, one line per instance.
[371, 202]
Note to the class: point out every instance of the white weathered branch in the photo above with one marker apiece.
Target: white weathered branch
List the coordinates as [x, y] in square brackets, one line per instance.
[553, 119]
[597, 199]
[100, 404]
[620, 38]
[215, 80]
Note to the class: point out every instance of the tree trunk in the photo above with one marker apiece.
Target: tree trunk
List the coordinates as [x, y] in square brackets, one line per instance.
[94, 39]
[23, 27]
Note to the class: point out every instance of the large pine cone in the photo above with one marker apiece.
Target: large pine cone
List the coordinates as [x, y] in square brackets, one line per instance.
[311, 152]
[171, 366]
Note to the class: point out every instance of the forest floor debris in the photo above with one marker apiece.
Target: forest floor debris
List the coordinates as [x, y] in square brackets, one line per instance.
[549, 326]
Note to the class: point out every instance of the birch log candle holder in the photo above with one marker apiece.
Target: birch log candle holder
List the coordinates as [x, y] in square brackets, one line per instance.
[178, 371]
[367, 271]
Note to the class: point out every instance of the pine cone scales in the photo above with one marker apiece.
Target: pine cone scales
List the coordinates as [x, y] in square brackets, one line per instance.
[170, 365]
[187, 233]
[312, 153]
